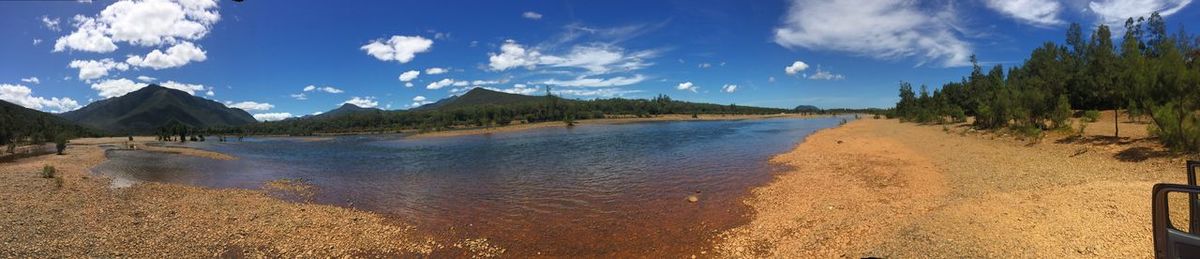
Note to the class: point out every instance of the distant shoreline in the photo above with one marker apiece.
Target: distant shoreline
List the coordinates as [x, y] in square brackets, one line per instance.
[605, 121]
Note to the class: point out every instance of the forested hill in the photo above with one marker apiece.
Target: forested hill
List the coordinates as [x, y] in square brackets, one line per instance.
[20, 124]
[481, 107]
[477, 97]
[150, 108]
[346, 109]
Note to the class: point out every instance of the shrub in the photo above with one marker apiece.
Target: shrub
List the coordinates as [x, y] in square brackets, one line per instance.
[1029, 131]
[1061, 113]
[60, 143]
[1177, 129]
[876, 116]
[1091, 116]
[48, 171]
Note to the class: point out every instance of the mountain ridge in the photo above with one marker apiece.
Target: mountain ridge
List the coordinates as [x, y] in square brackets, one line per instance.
[144, 110]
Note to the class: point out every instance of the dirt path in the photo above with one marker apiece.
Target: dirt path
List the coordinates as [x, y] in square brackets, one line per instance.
[903, 190]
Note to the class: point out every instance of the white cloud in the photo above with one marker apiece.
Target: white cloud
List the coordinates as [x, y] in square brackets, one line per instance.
[884, 29]
[1114, 12]
[175, 56]
[596, 58]
[418, 101]
[189, 88]
[409, 76]
[796, 67]
[327, 89]
[93, 69]
[116, 87]
[210, 93]
[146, 79]
[512, 55]
[825, 75]
[729, 88]
[51, 24]
[603, 92]
[365, 102]
[141, 22]
[399, 48]
[31, 80]
[300, 96]
[23, 96]
[408, 84]
[37, 41]
[439, 84]
[532, 15]
[1035, 12]
[770, 79]
[436, 70]
[252, 106]
[597, 82]
[687, 86]
[273, 116]
[704, 65]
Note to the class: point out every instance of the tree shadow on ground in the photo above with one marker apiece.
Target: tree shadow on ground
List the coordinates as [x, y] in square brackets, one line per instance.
[1138, 154]
[1097, 140]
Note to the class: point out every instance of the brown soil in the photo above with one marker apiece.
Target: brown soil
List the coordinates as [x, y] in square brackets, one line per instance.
[889, 189]
[80, 215]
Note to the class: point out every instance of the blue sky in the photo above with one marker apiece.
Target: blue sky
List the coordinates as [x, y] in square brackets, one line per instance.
[292, 58]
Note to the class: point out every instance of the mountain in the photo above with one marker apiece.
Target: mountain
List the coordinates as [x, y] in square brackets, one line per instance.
[144, 110]
[25, 121]
[346, 109]
[480, 96]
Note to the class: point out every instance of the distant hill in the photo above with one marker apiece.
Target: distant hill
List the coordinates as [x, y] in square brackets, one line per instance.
[477, 97]
[144, 110]
[346, 109]
[807, 108]
[24, 122]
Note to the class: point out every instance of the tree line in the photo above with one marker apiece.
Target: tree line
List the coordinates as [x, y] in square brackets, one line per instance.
[22, 126]
[1151, 74]
[550, 108]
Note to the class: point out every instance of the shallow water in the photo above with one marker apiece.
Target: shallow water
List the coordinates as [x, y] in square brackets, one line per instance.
[592, 190]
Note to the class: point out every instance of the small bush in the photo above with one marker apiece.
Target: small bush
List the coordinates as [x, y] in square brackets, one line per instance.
[48, 171]
[1029, 132]
[60, 143]
[1177, 129]
[876, 116]
[1091, 116]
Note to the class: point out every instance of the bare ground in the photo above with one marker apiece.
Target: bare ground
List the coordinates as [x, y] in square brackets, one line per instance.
[887, 189]
[84, 217]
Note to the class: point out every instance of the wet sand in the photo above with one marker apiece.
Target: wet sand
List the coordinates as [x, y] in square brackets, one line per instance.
[552, 124]
[85, 217]
[888, 189]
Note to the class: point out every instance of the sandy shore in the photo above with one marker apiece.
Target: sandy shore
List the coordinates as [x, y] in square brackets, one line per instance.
[606, 121]
[887, 189]
[84, 217]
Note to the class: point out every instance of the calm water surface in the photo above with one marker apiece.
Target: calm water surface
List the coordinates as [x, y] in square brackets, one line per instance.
[592, 190]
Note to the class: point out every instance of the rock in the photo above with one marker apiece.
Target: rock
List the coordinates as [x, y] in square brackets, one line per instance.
[693, 198]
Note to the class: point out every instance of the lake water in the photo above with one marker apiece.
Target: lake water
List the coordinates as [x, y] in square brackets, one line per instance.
[591, 190]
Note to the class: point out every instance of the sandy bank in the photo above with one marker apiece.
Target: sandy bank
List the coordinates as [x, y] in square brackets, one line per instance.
[84, 217]
[606, 121]
[882, 188]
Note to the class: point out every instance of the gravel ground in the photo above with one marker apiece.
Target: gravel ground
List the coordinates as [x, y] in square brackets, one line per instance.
[84, 217]
[886, 189]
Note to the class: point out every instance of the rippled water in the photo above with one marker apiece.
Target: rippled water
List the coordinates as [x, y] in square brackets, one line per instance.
[592, 190]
